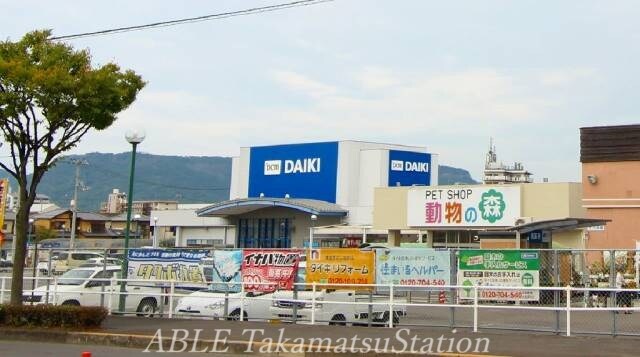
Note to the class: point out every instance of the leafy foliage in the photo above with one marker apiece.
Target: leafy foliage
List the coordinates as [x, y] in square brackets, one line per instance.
[50, 97]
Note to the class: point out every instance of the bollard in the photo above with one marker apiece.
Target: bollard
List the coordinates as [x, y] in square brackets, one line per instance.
[85, 354]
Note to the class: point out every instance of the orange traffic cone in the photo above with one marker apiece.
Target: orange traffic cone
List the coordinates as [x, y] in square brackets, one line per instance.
[442, 298]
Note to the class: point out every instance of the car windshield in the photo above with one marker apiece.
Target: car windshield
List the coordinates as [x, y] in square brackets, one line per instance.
[75, 277]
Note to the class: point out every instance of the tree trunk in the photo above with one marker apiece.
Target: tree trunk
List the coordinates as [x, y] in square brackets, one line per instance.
[22, 222]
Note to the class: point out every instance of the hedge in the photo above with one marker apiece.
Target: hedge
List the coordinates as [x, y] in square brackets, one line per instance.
[51, 316]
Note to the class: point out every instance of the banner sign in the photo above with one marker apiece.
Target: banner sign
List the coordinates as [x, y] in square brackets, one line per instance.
[340, 266]
[268, 270]
[463, 206]
[182, 266]
[517, 268]
[226, 270]
[413, 266]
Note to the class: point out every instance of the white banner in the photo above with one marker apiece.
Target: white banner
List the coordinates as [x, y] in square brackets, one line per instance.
[463, 206]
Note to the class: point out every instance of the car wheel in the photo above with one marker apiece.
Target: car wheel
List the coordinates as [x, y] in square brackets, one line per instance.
[338, 320]
[70, 303]
[235, 315]
[147, 307]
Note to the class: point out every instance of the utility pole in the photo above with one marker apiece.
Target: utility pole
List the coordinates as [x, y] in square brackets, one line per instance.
[74, 205]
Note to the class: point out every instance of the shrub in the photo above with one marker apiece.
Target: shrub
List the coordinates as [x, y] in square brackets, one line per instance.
[51, 316]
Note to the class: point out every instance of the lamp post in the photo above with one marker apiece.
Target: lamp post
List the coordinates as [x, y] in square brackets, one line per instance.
[134, 137]
[155, 232]
[314, 218]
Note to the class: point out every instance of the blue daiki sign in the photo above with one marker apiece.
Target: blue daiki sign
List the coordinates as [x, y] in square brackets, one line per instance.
[407, 168]
[299, 170]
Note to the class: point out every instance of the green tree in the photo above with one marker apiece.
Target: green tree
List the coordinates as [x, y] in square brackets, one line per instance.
[50, 97]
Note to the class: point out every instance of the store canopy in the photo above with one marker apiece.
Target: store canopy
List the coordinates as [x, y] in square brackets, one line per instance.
[245, 205]
[559, 225]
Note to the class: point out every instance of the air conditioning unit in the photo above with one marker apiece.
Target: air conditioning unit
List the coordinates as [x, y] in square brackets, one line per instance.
[523, 220]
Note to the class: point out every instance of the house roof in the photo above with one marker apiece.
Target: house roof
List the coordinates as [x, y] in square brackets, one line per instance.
[85, 216]
[245, 205]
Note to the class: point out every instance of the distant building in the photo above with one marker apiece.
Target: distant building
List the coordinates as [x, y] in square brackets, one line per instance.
[145, 207]
[496, 173]
[116, 203]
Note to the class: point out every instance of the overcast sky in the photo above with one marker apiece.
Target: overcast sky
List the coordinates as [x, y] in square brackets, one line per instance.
[447, 75]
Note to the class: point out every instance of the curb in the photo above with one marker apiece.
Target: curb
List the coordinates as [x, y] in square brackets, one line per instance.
[231, 346]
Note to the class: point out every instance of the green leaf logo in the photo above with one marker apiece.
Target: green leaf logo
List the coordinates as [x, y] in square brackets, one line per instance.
[492, 206]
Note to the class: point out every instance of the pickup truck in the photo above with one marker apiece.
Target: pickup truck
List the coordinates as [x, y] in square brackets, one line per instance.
[211, 304]
[84, 286]
[341, 310]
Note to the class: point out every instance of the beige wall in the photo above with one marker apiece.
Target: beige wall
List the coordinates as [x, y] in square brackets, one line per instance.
[544, 201]
[390, 208]
[615, 196]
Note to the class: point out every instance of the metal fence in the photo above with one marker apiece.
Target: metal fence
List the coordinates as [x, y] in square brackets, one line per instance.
[577, 295]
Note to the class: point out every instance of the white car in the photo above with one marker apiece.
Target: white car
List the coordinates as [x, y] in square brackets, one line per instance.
[211, 304]
[334, 307]
[84, 287]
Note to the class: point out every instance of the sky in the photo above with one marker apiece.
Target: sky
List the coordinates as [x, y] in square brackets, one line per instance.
[448, 75]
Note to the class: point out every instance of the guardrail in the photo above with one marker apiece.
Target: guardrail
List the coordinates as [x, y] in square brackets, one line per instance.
[571, 313]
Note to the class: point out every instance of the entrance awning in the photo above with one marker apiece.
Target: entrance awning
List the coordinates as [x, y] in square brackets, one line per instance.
[245, 205]
[559, 225]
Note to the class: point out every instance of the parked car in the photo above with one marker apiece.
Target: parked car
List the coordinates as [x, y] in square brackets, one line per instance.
[211, 304]
[73, 259]
[342, 310]
[5, 263]
[84, 286]
[98, 262]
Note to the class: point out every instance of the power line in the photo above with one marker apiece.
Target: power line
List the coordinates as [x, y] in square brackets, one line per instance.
[116, 173]
[218, 16]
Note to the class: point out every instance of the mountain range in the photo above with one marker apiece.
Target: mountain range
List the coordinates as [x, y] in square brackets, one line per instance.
[186, 179]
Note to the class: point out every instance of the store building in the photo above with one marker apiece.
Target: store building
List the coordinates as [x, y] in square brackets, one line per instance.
[316, 193]
[610, 157]
[544, 215]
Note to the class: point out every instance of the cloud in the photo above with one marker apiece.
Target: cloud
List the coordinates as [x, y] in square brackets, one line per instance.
[566, 77]
[300, 83]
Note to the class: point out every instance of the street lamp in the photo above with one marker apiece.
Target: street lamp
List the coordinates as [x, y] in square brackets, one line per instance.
[314, 218]
[134, 137]
[155, 232]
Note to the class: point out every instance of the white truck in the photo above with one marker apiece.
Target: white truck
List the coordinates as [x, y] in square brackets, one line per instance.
[85, 286]
[336, 307]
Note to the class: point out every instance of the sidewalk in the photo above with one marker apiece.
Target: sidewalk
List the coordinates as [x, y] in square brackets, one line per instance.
[249, 337]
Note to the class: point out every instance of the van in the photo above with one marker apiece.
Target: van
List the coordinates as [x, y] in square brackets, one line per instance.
[70, 260]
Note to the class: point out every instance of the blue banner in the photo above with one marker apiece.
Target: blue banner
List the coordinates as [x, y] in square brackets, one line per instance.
[161, 265]
[226, 270]
[412, 266]
[407, 168]
[298, 170]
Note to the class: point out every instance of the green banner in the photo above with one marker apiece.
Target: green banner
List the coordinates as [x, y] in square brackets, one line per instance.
[499, 260]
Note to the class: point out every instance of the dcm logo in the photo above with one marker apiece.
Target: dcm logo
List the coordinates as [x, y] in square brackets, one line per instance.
[300, 166]
[409, 166]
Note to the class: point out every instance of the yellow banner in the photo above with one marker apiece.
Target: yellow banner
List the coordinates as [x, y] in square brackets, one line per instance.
[340, 266]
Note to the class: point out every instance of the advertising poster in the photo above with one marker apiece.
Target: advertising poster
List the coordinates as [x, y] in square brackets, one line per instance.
[463, 206]
[182, 266]
[268, 270]
[226, 270]
[340, 266]
[517, 268]
[412, 266]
